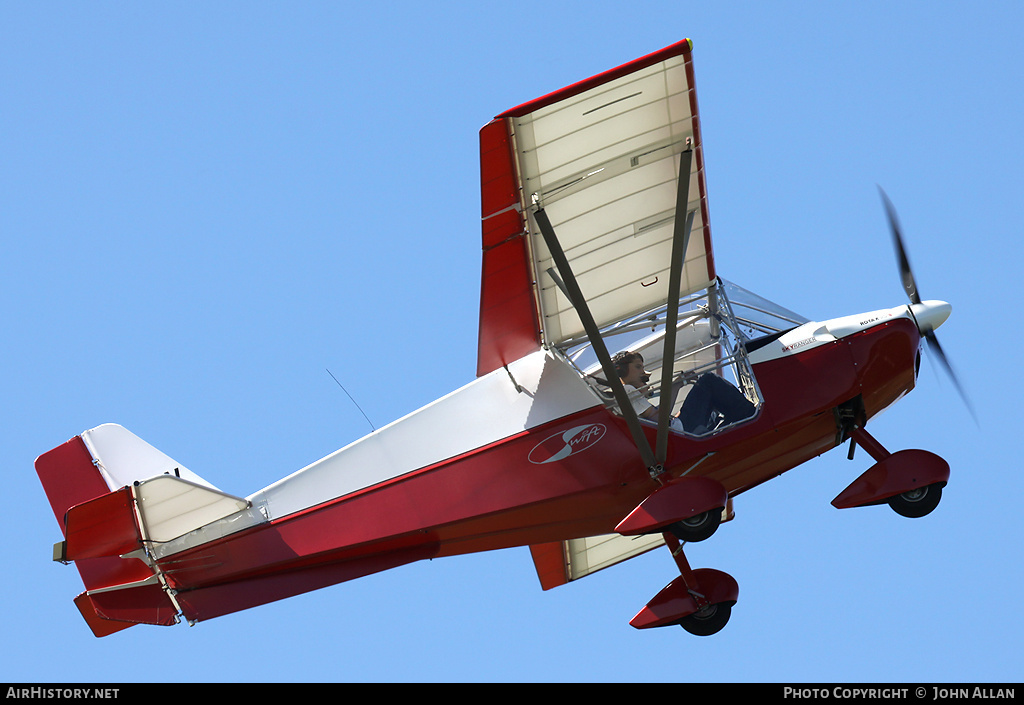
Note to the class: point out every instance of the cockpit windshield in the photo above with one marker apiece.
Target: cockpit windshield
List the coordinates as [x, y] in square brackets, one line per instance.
[756, 315]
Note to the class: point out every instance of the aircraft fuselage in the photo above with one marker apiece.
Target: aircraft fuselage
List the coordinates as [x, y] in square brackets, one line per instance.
[571, 475]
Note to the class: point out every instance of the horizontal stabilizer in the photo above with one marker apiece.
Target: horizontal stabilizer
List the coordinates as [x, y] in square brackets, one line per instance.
[172, 507]
[112, 609]
[144, 602]
[169, 507]
[100, 626]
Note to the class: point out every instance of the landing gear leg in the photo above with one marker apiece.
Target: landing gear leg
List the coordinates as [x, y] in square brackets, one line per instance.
[710, 617]
[685, 571]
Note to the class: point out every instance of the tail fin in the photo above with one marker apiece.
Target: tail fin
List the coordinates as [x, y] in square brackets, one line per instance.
[111, 491]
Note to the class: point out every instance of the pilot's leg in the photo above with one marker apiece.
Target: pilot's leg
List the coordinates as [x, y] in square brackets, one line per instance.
[712, 393]
[696, 410]
[727, 399]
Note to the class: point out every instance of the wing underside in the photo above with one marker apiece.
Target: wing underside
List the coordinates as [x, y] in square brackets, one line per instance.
[602, 159]
[562, 562]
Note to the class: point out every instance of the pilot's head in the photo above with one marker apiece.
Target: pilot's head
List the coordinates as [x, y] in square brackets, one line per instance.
[629, 366]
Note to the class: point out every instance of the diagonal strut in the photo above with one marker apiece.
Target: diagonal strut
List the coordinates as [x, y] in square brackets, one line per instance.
[680, 241]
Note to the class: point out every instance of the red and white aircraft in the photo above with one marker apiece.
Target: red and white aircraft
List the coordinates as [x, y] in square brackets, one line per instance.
[595, 238]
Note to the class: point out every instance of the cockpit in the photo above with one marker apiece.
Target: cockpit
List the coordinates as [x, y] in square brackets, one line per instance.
[712, 385]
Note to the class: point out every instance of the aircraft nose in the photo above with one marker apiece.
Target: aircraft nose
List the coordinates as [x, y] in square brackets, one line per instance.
[930, 314]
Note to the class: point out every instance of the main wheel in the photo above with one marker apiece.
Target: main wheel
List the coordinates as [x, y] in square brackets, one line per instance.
[917, 503]
[710, 620]
[697, 528]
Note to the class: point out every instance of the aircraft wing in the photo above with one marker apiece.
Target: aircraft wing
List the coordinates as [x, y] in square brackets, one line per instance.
[601, 157]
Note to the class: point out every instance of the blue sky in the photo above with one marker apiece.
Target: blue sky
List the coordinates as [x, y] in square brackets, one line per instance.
[205, 207]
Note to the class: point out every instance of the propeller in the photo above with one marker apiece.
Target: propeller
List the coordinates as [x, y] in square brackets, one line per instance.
[928, 314]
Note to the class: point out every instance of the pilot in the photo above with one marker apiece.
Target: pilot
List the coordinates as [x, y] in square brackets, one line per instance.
[712, 403]
[629, 366]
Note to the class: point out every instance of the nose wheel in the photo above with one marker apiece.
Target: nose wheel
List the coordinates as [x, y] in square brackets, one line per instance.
[909, 481]
[918, 502]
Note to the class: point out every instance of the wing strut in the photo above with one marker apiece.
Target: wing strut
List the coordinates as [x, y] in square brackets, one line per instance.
[572, 288]
[680, 241]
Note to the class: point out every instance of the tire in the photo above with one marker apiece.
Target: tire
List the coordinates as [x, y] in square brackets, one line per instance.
[917, 503]
[697, 528]
[710, 620]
